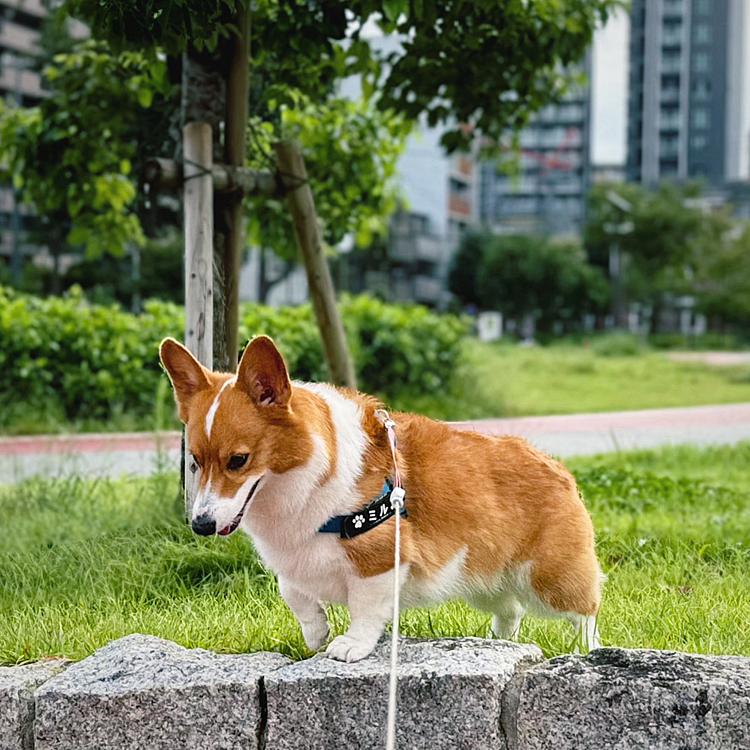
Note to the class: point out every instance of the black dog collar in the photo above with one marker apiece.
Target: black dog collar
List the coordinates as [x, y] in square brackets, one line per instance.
[364, 519]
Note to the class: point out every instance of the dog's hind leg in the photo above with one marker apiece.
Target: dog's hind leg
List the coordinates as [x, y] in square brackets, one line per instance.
[585, 632]
[507, 613]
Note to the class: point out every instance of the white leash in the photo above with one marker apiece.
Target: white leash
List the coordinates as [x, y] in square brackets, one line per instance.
[397, 503]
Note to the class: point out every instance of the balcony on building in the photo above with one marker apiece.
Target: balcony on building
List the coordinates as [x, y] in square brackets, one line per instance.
[18, 38]
[669, 120]
[673, 8]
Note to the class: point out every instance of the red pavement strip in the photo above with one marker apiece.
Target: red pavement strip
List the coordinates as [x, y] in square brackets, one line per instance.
[693, 416]
[90, 443]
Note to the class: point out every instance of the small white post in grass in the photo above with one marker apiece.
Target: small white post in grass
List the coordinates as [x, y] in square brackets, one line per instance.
[199, 277]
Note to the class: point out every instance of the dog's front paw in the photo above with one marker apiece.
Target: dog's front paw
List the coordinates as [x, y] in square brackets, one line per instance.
[348, 649]
[315, 633]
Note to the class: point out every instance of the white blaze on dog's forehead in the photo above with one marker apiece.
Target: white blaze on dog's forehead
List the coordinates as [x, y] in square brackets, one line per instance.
[211, 413]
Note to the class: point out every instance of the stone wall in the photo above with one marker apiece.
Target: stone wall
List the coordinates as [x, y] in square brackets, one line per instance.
[144, 692]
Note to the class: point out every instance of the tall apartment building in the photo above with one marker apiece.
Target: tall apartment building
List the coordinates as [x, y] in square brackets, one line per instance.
[20, 21]
[548, 191]
[689, 97]
[20, 24]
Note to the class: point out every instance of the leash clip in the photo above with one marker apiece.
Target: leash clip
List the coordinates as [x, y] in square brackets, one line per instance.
[397, 498]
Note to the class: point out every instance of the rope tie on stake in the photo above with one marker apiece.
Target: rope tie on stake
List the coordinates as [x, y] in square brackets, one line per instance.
[397, 502]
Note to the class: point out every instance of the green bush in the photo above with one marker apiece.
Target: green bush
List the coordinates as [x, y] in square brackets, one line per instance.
[616, 344]
[89, 358]
[95, 360]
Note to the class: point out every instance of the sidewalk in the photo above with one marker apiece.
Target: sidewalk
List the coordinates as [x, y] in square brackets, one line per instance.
[563, 435]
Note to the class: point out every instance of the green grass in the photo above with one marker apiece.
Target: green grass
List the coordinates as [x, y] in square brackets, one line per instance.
[507, 380]
[85, 561]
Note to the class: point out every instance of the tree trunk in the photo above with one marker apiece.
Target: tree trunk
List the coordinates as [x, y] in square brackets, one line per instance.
[230, 204]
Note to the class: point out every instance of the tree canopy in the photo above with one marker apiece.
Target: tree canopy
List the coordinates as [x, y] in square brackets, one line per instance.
[486, 62]
[677, 243]
[522, 275]
[472, 66]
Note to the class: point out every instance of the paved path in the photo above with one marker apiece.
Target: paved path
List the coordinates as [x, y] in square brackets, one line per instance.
[565, 435]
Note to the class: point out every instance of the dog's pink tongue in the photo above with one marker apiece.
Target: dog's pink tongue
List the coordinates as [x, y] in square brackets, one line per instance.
[226, 530]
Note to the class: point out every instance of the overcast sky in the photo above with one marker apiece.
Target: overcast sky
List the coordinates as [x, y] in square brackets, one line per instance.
[610, 92]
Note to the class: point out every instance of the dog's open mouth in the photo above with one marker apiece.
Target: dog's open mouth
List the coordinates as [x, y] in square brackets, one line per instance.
[236, 521]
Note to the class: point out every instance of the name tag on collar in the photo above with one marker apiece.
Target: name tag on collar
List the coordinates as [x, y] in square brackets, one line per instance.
[373, 514]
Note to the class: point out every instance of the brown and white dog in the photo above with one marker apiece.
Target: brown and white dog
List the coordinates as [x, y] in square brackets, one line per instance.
[490, 520]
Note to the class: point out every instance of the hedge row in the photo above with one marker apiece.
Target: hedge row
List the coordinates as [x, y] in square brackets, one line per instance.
[93, 359]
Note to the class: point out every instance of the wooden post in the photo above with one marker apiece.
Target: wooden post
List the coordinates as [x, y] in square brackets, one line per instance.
[199, 230]
[299, 196]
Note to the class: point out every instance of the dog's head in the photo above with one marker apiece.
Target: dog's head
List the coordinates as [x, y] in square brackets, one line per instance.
[241, 429]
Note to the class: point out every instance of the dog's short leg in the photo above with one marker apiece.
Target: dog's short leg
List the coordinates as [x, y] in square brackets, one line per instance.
[311, 616]
[370, 608]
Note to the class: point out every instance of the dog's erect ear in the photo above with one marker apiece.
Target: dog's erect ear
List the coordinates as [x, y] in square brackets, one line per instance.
[187, 374]
[262, 374]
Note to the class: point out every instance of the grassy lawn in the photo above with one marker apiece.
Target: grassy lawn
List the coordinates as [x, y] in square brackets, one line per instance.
[507, 380]
[85, 561]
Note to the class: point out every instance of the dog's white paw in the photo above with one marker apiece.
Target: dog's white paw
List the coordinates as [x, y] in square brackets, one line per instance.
[315, 633]
[348, 649]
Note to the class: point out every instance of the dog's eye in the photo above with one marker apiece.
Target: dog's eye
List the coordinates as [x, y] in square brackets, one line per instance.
[194, 464]
[237, 461]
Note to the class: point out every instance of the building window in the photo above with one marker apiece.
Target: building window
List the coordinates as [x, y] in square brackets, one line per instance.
[702, 7]
[701, 90]
[701, 118]
[703, 33]
[701, 62]
[698, 142]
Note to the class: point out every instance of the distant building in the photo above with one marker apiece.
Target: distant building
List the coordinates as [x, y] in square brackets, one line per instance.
[548, 192]
[689, 91]
[441, 206]
[20, 24]
[605, 173]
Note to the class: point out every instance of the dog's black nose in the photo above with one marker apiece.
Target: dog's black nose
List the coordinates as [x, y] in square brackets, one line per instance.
[204, 525]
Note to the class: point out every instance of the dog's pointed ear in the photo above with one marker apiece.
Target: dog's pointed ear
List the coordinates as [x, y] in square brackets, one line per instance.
[187, 374]
[262, 374]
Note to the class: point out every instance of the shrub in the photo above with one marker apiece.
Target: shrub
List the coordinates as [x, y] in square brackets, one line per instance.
[402, 347]
[95, 360]
[87, 357]
[616, 344]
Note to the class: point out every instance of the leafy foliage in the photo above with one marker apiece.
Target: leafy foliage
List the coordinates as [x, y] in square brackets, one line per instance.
[722, 278]
[677, 245]
[527, 275]
[512, 52]
[72, 153]
[89, 357]
[95, 359]
[350, 150]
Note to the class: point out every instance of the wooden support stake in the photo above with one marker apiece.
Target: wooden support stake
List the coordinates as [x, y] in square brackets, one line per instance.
[199, 285]
[299, 196]
[167, 174]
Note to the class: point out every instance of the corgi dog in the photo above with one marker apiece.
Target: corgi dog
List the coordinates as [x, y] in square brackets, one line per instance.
[304, 469]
